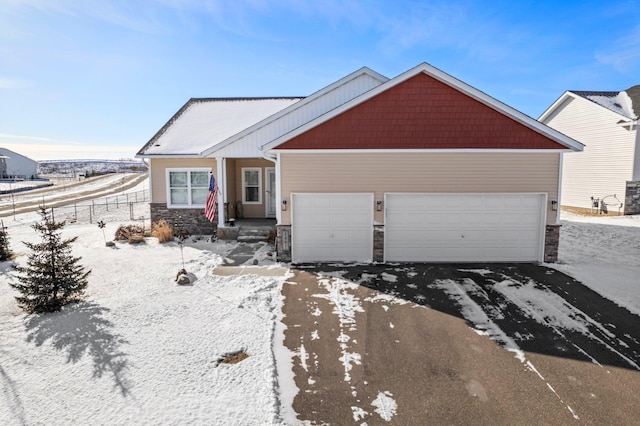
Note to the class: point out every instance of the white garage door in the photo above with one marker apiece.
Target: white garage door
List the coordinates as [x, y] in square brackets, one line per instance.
[464, 227]
[332, 227]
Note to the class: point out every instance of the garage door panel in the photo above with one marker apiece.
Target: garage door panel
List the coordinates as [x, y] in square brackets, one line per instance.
[332, 227]
[464, 227]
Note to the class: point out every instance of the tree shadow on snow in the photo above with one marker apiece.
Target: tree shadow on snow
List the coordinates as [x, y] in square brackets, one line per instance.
[12, 397]
[540, 309]
[80, 329]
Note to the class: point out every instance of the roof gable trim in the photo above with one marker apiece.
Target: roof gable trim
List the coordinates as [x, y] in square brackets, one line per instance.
[448, 80]
[301, 104]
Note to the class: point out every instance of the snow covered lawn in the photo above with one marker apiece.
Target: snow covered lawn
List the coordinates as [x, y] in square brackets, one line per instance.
[603, 252]
[141, 349]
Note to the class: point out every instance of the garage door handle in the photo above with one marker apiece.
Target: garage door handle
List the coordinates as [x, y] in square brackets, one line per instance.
[461, 236]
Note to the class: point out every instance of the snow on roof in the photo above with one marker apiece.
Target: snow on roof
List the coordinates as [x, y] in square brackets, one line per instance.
[618, 102]
[204, 122]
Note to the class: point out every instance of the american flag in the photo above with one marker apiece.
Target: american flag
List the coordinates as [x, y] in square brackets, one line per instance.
[212, 198]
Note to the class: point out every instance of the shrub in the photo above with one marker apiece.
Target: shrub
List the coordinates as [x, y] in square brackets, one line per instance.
[162, 231]
[130, 233]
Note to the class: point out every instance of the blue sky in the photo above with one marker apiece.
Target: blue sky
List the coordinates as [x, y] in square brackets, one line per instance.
[98, 78]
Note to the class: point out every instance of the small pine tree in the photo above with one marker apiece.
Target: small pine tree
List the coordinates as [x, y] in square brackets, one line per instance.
[52, 277]
[5, 251]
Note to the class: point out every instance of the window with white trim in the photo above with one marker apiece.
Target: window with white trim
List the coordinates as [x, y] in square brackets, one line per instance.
[187, 187]
[252, 185]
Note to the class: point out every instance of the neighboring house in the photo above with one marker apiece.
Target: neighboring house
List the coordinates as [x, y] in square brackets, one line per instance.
[605, 178]
[421, 167]
[16, 166]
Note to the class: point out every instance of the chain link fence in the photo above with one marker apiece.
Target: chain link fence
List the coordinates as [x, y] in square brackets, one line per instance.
[133, 206]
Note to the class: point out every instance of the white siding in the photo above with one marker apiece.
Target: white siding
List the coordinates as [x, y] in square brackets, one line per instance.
[607, 161]
[636, 161]
[19, 165]
[249, 145]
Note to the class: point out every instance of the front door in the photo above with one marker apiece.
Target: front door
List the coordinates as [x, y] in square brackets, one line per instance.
[271, 193]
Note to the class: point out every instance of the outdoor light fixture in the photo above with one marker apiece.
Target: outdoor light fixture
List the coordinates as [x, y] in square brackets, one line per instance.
[379, 205]
[284, 205]
[554, 205]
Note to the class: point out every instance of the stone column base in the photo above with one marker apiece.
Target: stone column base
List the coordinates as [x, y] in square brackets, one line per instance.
[283, 243]
[551, 241]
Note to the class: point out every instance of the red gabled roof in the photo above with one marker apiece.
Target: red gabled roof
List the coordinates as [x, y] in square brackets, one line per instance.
[421, 112]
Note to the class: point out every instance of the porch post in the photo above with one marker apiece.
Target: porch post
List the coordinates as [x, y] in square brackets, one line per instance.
[278, 192]
[221, 165]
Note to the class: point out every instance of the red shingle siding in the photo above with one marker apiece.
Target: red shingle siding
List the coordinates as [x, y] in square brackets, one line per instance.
[421, 113]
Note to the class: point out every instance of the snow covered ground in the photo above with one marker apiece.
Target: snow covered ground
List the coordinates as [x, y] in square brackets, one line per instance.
[143, 350]
[603, 252]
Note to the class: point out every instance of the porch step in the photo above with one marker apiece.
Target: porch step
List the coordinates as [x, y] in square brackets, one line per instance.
[254, 234]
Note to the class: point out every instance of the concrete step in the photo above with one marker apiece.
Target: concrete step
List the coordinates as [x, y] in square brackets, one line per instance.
[254, 234]
[252, 238]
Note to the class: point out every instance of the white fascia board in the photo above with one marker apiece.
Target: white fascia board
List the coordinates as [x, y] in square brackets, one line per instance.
[450, 81]
[168, 156]
[566, 95]
[415, 151]
[300, 104]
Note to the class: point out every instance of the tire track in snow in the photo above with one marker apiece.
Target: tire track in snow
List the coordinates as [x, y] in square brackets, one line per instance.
[345, 306]
[474, 313]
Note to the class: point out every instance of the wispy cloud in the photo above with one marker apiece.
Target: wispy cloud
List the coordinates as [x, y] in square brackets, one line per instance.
[624, 54]
[43, 148]
[137, 16]
[14, 83]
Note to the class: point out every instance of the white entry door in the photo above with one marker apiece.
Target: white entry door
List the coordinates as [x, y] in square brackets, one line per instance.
[270, 207]
[331, 227]
[464, 227]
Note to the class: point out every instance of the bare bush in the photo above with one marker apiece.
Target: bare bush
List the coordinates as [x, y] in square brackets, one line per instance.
[162, 231]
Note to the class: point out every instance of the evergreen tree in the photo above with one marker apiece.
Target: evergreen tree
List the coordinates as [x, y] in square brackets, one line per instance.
[52, 277]
[5, 251]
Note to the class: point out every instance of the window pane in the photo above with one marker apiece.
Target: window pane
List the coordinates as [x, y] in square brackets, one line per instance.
[251, 194]
[251, 177]
[179, 196]
[178, 179]
[199, 196]
[200, 179]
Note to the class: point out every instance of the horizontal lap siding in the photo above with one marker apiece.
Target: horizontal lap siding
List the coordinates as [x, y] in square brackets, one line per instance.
[252, 210]
[159, 168]
[607, 160]
[419, 172]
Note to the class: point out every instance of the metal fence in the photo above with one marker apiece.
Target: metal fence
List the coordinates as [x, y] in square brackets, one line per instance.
[130, 206]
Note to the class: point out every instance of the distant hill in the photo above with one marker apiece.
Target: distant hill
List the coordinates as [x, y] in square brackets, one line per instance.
[90, 167]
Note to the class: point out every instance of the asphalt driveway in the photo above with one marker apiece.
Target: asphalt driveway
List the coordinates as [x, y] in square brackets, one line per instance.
[458, 344]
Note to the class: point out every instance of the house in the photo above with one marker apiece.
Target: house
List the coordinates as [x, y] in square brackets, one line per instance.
[421, 167]
[605, 178]
[16, 166]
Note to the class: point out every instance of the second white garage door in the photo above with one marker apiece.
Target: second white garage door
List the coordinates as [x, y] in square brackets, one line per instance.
[464, 227]
[331, 227]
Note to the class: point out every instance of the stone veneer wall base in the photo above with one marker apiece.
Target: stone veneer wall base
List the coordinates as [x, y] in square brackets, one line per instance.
[192, 221]
[551, 242]
[283, 243]
[632, 198]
